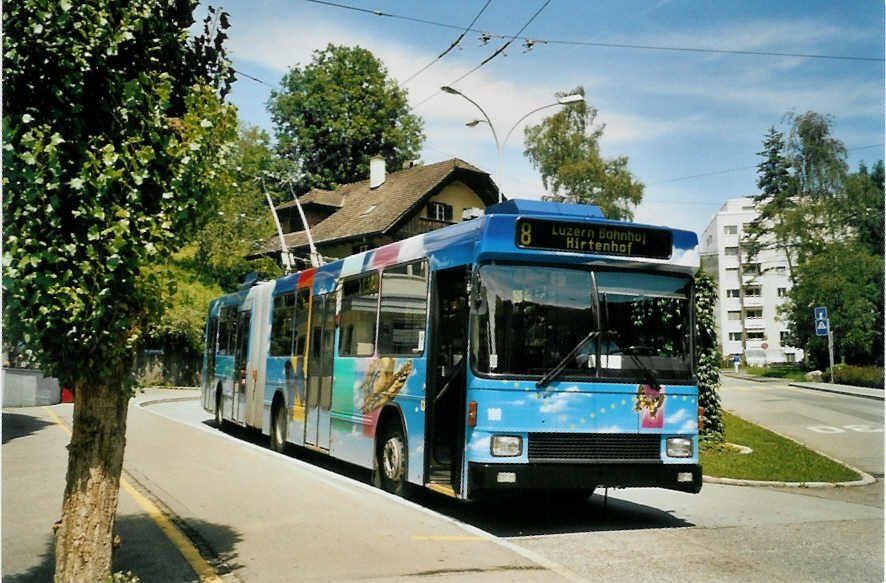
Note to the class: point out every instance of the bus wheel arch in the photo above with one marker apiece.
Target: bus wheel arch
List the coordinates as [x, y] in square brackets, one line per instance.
[278, 425]
[391, 464]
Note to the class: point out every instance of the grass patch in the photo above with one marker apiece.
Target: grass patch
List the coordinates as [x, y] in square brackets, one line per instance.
[774, 458]
[793, 373]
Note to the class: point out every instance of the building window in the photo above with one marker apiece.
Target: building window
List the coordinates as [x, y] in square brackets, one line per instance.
[731, 251]
[733, 293]
[752, 291]
[782, 292]
[781, 269]
[359, 248]
[735, 336]
[730, 229]
[733, 315]
[439, 211]
[755, 314]
[751, 269]
[731, 269]
[756, 336]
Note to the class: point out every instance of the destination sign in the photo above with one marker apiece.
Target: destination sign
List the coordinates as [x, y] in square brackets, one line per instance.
[597, 239]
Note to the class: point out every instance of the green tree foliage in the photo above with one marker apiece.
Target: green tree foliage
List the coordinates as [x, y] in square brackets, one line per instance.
[847, 279]
[114, 133]
[707, 362]
[332, 115]
[242, 220]
[565, 149]
[775, 200]
[829, 223]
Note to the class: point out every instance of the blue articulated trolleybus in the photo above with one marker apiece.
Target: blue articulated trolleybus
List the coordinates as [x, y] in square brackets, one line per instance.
[538, 347]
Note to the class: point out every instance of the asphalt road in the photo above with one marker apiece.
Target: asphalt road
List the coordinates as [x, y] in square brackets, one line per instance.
[298, 517]
[846, 427]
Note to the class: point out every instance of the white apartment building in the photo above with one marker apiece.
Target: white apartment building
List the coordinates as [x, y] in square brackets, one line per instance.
[765, 281]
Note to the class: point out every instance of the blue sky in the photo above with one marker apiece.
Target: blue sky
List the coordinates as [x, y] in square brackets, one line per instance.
[689, 122]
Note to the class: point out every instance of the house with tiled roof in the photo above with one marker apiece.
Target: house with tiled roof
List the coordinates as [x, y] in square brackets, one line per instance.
[386, 207]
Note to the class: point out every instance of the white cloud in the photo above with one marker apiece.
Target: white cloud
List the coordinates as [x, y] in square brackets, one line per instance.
[680, 415]
[689, 427]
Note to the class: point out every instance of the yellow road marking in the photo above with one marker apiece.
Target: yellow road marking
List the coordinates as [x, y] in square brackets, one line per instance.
[189, 551]
[451, 538]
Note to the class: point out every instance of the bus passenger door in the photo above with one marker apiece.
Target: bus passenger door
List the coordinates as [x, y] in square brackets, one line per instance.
[447, 375]
[244, 320]
[319, 394]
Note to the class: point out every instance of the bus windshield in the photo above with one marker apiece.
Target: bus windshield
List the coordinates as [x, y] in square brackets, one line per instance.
[526, 319]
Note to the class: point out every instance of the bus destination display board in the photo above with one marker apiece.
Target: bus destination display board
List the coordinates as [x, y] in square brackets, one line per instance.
[597, 239]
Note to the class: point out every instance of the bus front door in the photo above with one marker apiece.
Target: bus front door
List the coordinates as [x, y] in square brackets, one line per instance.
[244, 320]
[319, 394]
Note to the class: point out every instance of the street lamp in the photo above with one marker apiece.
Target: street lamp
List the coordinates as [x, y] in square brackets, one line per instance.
[499, 146]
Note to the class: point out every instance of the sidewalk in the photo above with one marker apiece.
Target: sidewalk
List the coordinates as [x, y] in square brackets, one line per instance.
[34, 460]
[865, 392]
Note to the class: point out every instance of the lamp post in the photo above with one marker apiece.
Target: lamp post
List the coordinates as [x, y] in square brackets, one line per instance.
[499, 146]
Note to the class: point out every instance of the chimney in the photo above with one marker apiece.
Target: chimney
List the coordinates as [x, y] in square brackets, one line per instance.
[376, 172]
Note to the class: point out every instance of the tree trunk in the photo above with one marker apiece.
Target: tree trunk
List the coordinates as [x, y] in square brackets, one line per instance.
[84, 535]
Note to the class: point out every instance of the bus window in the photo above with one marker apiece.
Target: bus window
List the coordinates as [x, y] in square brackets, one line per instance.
[526, 318]
[282, 324]
[302, 300]
[403, 309]
[227, 326]
[359, 305]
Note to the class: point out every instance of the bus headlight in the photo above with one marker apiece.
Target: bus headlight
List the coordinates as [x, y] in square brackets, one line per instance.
[507, 445]
[679, 447]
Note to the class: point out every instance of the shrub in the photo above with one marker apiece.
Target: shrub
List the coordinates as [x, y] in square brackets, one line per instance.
[859, 376]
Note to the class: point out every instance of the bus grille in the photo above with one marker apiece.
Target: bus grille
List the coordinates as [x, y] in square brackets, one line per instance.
[596, 447]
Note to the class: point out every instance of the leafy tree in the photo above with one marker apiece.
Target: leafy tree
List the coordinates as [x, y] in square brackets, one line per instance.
[847, 279]
[565, 149]
[707, 363]
[818, 170]
[334, 114]
[114, 133]
[773, 203]
[243, 220]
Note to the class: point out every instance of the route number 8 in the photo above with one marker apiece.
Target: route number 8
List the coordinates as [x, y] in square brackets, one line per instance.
[525, 234]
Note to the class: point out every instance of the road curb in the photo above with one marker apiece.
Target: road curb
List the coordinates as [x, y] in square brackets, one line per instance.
[809, 387]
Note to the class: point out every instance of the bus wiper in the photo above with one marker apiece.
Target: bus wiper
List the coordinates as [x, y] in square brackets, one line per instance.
[558, 368]
[648, 375]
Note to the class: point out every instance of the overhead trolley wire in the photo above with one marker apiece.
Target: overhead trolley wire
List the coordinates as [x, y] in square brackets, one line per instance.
[490, 57]
[609, 45]
[451, 46]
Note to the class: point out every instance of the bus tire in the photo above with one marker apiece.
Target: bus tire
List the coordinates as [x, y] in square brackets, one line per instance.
[391, 460]
[278, 427]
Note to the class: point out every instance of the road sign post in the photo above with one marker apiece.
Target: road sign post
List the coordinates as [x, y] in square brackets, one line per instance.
[823, 328]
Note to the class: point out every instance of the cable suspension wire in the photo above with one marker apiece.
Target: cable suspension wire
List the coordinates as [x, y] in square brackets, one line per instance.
[717, 172]
[609, 45]
[454, 44]
[499, 51]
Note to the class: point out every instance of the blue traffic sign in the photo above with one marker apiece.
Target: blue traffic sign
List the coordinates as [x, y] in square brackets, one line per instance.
[821, 327]
[821, 314]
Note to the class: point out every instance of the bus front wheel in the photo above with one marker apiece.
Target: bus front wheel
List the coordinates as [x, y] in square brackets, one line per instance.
[391, 462]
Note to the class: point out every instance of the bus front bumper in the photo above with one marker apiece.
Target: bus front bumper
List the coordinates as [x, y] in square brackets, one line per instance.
[484, 477]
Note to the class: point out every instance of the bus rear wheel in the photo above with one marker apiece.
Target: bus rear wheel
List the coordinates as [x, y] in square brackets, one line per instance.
[219, 419]
[278, 428]
[391, 461]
